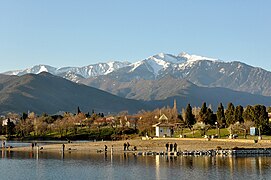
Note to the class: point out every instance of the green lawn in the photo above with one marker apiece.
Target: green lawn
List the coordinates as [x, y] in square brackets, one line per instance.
[197, 133]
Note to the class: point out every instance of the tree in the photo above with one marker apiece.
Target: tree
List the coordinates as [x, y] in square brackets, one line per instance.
[189, 117]
[10, 127]
[229, 114]
[238, 114]
[202, 127]
[210, 117]
[203, 113]
[248, 114]
[78, 110]
[24, 127]
[220, 115]
[261, 118]
[24, 116]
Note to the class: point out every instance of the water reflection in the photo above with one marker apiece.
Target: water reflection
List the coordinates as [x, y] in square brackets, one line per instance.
[128, 166]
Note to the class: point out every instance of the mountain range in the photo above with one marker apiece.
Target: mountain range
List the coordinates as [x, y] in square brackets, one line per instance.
[159, 79]
[201, 71]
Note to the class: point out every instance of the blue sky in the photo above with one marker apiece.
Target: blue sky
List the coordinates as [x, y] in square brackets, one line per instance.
[82, 32]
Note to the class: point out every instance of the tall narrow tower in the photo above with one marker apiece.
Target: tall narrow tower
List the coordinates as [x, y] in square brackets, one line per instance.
[175, 105]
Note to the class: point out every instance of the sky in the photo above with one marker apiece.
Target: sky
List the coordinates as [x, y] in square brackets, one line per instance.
[64, 33]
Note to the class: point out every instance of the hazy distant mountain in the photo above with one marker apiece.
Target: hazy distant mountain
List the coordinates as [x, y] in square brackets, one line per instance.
[47, 93]
[162, 92]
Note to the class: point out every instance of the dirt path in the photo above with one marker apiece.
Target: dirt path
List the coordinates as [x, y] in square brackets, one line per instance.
[154, 145]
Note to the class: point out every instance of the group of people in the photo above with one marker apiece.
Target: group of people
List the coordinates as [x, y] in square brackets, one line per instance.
[33, 144]
[126, 146]
[171, 147]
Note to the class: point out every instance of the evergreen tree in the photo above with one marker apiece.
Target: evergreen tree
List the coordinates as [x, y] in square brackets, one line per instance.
[78, 110]
[238, 114]
[229, 114]
[25, 116]
[248, 114]
[261, 118]
[203, 113]
[220, 115]
[210, 117]
[189, 117]
[10, 127]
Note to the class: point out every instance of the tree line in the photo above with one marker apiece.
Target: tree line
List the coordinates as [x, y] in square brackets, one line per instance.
[237, 118]
[256, 115]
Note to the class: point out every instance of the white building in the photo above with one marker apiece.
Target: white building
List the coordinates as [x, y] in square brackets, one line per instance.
[5, 122]
[163, 128]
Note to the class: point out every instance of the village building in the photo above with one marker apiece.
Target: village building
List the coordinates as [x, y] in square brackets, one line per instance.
[163, 128]
[5, 122]
[105, 121]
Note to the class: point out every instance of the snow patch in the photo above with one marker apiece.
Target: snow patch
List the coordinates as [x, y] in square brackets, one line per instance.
[136, 65]
[192, 58]
[42, 69]
[222, 70]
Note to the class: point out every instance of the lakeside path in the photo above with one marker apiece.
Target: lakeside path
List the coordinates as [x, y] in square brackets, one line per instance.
[156, 144]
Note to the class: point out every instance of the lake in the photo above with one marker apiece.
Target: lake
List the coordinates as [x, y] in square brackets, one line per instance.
[75, 165]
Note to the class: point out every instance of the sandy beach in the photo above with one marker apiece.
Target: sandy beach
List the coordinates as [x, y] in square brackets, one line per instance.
[157, 145]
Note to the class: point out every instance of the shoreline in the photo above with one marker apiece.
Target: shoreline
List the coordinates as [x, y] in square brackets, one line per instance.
[155, 145]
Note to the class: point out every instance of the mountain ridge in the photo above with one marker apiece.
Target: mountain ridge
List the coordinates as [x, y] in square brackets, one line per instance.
[201, 71]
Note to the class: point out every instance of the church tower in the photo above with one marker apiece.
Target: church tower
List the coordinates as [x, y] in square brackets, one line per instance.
[175, 105]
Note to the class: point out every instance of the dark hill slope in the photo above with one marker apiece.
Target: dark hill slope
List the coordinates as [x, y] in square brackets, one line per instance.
[47, 93]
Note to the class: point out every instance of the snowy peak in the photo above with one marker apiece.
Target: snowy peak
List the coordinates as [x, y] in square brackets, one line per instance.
[193, 58]
[153, 66]
[162, 62]
[154, 63]
[36, 70]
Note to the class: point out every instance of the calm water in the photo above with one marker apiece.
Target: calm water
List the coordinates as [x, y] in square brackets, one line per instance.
[21, 165]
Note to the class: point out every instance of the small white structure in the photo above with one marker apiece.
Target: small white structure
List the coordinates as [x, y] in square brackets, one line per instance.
[5, 122]
[163, 128]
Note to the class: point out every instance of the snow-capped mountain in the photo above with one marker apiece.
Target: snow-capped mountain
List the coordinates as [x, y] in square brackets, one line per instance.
[201, 71]
[152, 66]
[158, 65]
[73, 73]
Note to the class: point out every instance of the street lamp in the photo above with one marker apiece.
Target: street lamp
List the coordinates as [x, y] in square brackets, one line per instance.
[217, 129]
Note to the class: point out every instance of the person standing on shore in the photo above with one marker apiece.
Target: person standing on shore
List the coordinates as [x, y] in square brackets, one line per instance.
[170, 147]
[105, 148]
[124, 146]
[175, 147]
[63, 147]
[128, 145]
[167, 146]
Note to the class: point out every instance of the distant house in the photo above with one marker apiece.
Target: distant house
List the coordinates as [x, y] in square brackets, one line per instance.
[5, 122]
[131, 121]
[105, 121]
[269, 117]
[163, 128]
